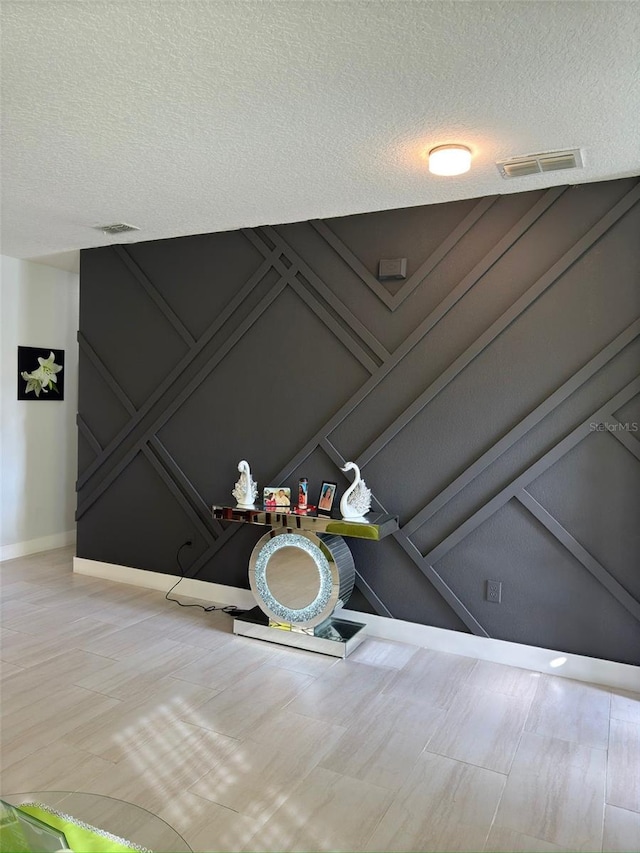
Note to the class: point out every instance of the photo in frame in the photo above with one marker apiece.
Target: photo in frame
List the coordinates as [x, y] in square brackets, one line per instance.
[326, 496]
[276, 496]
[40, 373]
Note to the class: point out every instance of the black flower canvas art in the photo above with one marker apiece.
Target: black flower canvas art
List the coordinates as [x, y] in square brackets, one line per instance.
[40, 373]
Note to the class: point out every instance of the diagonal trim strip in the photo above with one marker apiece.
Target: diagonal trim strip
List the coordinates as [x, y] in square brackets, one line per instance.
[394, 301]
[340, 333]
[290, 275]
[184, 394]
[445, 591]
[626, 440]
[374, 600]
[193, 496]
[502, 323]
[440, 585]
[580, 553]
[153, 293]
[86, 432]
[178, 370]
[532, 472]
[534, 417]
[178, 494]
[99, 365]
[329, 297]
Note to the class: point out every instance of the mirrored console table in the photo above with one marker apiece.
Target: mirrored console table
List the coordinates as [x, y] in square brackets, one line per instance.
[302, 573]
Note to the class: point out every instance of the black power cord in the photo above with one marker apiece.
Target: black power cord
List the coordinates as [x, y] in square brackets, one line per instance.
[231, 608]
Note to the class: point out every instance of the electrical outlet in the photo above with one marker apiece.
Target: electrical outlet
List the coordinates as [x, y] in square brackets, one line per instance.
[494, 591]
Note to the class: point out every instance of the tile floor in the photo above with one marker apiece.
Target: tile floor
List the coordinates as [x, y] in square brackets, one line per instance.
[240, 745]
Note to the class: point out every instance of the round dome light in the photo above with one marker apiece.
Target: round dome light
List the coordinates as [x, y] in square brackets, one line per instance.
[449, 160]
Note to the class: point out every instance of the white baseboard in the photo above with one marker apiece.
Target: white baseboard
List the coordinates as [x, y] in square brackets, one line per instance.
[33, 546]
[215, 592]
[581, 668]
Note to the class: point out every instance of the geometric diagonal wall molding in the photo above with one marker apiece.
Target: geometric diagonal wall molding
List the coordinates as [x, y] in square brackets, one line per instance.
[625, 438]
[217, 323]
[84, 430]
[434, 578]
[533, 471]
[579, 552]
[502, 323]
[393, 301]
[278, 344]
[520, 430]
[296, 267]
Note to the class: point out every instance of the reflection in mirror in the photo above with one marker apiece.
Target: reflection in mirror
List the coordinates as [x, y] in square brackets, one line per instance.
[293, 577]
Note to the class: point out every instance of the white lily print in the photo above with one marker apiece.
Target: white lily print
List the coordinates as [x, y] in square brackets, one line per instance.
[42, 378]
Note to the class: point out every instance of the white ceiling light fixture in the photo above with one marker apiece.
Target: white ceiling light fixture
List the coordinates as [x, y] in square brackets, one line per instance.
[449, 160]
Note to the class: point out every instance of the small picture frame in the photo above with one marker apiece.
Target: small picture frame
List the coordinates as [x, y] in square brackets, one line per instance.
[326, 496]
[40, 373]
[275, 497]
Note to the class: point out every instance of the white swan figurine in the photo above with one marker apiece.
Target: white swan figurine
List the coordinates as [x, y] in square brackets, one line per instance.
[246, 489]
[356, 501]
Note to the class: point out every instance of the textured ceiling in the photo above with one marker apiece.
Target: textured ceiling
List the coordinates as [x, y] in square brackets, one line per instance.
[187, 117]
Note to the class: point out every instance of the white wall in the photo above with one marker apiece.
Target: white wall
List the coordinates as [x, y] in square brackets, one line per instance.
[38, 308]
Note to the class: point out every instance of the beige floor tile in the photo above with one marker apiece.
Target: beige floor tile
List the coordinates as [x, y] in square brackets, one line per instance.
[141, 673]
[432, 677]
[508, 841]
[35, 683]
[570, 710]
[56, 766]
[301, 823]
[19, 612]
[117, 732]
[555, 792]
[625, 706]
[50, 623]
[127, 605]
[383, 653]
[162, 768]
[344, 692]
[192, 627]
[383, 747]
[299, 660]
[623, 767]
[7, 669]
[621, 831]
[207, 826]
[238, 709]
[28, 729]
[503, 679]
[443, 805]
[265, 769]
[118, 642]
[224, 666]
[482, 727]
[28, 650]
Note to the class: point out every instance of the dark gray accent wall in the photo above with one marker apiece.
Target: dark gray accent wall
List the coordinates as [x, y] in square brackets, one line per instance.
[492, 399]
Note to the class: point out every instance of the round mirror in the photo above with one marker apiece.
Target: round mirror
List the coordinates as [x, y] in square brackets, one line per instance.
[299, 578]
[293, 577]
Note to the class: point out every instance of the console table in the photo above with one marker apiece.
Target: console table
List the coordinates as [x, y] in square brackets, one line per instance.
[301, 573]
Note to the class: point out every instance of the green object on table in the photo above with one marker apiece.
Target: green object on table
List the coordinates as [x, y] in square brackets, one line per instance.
[81, 837]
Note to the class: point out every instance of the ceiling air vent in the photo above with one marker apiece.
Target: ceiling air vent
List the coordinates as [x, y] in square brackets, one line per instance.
[532, 164]
[116, 228]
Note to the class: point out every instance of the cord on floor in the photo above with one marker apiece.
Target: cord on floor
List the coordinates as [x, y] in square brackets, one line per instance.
[231, 608]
